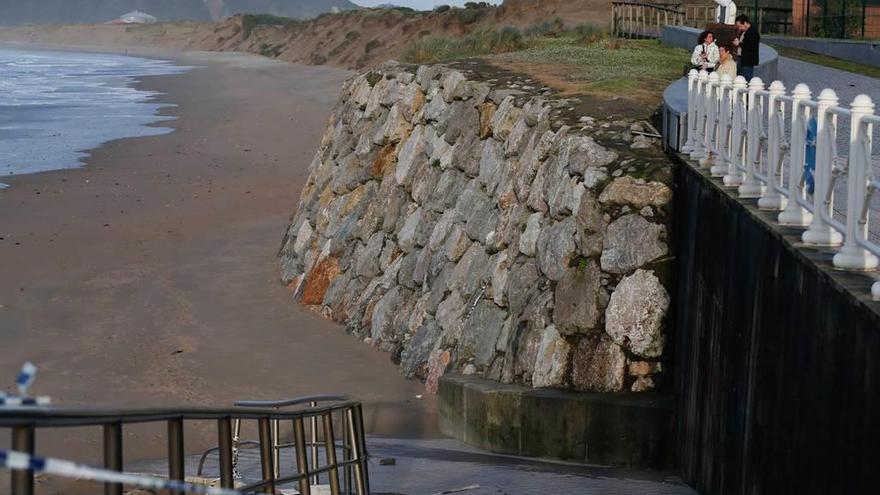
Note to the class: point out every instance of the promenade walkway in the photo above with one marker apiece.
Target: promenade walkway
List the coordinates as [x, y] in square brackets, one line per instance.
[847, 85]
[432, 467]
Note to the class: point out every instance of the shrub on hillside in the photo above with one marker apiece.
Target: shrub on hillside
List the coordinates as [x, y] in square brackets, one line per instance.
[484, 42]
[546, 28]
[590, 33]
[469, 15]
[249, 22]
[372, 45]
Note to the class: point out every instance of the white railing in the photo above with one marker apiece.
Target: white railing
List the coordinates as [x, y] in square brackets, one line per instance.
[756, 140]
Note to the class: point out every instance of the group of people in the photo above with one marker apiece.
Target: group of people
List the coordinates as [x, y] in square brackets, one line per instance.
[739, 57]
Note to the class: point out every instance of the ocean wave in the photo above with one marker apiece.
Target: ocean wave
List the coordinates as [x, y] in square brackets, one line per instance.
[54, 105]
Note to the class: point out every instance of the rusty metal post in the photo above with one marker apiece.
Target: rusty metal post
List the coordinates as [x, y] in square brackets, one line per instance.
[313, 434]
[113, 455]
[224, 437]
[276, 441]
[362, 447]
[176, 469]
[330, 454]
[357, 454]
[346, 454]
[267, 454]
[302, 461]
[23, 440]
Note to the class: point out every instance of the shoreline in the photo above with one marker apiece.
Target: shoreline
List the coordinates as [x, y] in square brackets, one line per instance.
[149, 275]
[139, 82]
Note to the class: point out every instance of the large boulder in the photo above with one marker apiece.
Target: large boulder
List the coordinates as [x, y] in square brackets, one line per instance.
[632, 242]
[480, 333]
[636, 314]
[577, 308]
[636, 193]
[598, 365]
[551, 364]
[556, 248]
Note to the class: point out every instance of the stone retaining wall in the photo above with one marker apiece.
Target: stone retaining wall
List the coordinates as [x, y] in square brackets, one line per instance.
[465, 224]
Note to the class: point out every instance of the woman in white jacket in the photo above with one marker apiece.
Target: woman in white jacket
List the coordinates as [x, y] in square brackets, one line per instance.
[705, 55]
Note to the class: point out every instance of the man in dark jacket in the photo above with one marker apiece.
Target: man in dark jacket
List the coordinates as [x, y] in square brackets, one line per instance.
[747, 42]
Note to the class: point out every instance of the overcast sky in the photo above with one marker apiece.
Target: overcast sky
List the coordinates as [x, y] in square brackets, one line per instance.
[416, 4]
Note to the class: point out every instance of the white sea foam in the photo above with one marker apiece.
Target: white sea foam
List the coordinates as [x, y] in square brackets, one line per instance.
[54, 106]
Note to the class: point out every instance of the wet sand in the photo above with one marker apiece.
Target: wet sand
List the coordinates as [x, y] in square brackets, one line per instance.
[149, 277]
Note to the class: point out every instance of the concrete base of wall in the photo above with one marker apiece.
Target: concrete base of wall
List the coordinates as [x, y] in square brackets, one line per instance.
[632, 430]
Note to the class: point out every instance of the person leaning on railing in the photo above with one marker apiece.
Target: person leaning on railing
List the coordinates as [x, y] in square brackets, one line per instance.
[705, 54]
[726, 64]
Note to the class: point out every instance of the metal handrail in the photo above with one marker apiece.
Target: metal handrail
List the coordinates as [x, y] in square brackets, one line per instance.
[312, 401]
[736, 129]
[308, 399]
[25, 421]
[643, 19]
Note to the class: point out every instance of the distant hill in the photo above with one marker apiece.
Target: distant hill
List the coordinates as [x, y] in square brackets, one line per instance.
[15, 12]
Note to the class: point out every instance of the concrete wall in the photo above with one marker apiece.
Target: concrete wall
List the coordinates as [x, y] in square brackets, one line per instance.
[634, 430]
[777, 357]
[464, 220]
[862, 52]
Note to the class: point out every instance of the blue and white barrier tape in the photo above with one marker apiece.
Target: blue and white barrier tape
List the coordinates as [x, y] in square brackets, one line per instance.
[11, 459]
[26, 378]
[14, 401]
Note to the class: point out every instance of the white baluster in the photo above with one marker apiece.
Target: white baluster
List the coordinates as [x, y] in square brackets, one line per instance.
[691, 111]
[775, 116]
[699, 150]
[852, 256]
[737, 150]
[722, 160]
[820, 232]
[711, 137]
[794, 214]
[751, 186]
[875, 291]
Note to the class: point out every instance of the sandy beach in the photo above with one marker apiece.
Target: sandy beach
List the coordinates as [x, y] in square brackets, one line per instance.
[149, 276]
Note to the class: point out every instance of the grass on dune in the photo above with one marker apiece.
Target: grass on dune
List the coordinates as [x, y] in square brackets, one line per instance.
[607, 65]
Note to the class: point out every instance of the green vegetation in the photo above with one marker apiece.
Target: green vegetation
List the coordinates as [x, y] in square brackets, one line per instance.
[249, 22]
[582, 59]
[491, 41]
[373, 78]
[590, 33]
[835, 63]
[270, 51]
[607, 65]
[483, 42]
[546, 28]
[372, 45]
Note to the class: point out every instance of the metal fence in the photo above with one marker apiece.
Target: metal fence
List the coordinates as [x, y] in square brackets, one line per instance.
[844, 19]
[784, 150]
[315, 430]
[769, 20]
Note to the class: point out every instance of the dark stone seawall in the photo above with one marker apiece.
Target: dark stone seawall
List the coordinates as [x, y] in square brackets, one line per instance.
[777, 357]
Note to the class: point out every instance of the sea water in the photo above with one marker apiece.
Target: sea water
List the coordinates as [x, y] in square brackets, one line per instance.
[55, 106]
